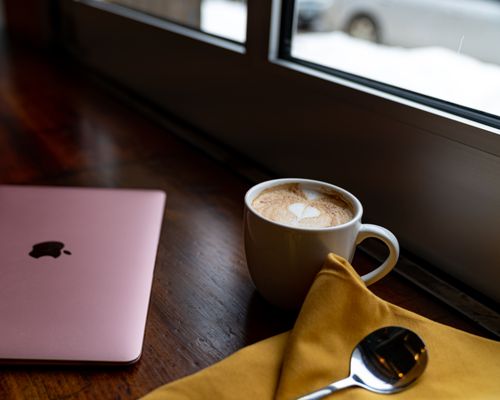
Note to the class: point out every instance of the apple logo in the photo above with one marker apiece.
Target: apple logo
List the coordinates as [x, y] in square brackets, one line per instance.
[52, 249]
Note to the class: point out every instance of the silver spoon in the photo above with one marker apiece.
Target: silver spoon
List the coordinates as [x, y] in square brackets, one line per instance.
[386, 361]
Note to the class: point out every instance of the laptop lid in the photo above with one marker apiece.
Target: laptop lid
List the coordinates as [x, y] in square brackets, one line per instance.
[76, 271]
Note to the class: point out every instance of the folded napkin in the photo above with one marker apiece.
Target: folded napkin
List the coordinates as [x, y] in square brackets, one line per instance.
[338, 312]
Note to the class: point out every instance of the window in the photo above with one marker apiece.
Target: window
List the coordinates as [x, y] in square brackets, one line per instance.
[426, 168]
[442, 49]
[225, 18]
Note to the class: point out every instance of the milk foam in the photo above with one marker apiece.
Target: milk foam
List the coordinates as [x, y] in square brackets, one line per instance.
[301, 210]
[293, 205]
[310, 194]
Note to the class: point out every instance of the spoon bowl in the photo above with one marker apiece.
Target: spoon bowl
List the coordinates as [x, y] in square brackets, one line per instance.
[386, 361]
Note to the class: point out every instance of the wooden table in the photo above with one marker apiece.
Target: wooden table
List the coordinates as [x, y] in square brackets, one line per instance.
[58, 127]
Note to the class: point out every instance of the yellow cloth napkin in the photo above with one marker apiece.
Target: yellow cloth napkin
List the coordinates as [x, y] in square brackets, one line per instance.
[337, 313]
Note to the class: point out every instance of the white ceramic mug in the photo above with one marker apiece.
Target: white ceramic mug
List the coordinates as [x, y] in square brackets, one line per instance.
[283, 260]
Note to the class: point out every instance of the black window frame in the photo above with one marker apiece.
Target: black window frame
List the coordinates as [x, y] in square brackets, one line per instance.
[287, 30]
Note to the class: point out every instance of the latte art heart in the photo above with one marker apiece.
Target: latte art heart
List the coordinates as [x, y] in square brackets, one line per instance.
[301, 210]
[292, 205]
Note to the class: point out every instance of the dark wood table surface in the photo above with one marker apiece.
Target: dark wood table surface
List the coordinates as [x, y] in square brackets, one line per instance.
[59, 127]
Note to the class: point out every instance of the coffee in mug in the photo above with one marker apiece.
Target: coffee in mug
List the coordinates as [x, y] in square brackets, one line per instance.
[290, 227]
[294, 205]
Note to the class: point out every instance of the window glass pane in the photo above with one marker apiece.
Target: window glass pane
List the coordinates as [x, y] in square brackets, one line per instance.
[446, 49]
[225, 18]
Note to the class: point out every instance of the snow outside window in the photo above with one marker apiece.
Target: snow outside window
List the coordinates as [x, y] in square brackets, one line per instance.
[445, 49]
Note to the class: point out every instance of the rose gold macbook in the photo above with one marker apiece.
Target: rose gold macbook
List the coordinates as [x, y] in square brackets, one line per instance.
[76, 270]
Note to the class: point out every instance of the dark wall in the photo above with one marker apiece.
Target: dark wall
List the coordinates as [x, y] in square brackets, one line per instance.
[31, 20]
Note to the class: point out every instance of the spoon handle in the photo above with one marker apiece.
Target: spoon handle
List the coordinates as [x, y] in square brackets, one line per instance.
[328, 390]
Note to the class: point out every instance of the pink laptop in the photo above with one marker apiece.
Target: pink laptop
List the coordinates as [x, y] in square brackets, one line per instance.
[76, 270]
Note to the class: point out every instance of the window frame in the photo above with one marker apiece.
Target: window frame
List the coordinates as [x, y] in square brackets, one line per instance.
[166, 24]
[254, 102]
[287, 17]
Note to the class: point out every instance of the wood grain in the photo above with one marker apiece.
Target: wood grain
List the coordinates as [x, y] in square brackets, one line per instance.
[57, 127]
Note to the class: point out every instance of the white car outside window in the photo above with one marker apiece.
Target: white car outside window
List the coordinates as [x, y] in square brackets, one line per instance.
[470, 27]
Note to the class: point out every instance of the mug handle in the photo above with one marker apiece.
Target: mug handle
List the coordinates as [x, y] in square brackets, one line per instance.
[368, 230]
